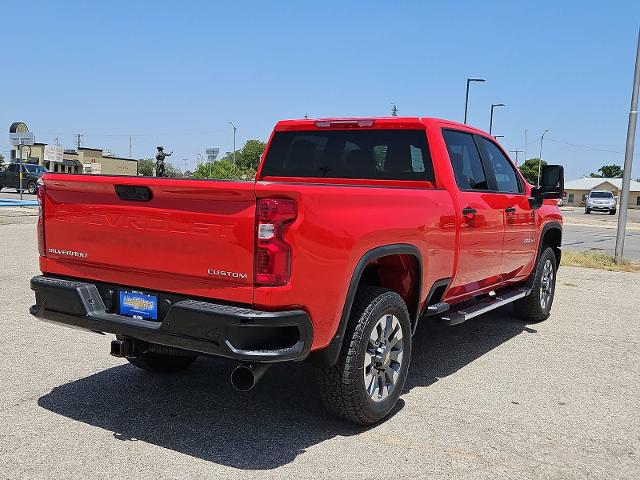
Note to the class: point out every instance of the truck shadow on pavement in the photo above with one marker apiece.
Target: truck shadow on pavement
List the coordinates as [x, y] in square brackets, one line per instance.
[198, 413]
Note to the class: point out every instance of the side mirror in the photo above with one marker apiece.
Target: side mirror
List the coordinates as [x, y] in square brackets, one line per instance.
[551, 185]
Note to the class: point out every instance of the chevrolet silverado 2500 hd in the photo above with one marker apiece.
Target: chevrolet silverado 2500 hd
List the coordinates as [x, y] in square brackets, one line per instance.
[352, 231]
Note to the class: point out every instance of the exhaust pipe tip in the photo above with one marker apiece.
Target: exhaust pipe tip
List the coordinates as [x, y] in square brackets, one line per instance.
[245, 376]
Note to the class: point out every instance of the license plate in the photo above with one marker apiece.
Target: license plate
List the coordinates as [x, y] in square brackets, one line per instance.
[138, 304]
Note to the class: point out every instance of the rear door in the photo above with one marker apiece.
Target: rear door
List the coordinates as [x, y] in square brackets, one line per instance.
[518, 251]
[194, 237]
[481, 216]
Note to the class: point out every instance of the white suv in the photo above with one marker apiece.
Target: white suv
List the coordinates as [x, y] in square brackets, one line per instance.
[600, 201]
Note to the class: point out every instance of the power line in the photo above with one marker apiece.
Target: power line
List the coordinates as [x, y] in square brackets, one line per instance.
[599, 149]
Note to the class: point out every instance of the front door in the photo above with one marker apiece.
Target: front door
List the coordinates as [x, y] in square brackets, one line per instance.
[481, 217]
[518, 252]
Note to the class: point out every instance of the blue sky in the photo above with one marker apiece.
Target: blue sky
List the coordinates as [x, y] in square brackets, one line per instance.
[175, 73]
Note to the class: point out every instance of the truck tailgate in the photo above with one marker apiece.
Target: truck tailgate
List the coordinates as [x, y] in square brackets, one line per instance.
[192, 237]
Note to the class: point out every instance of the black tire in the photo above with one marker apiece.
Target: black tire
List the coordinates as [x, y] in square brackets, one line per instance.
[532, 307]
[342, 386]
[587, 211]
[612, 212]
[161, 363]
[32, 188]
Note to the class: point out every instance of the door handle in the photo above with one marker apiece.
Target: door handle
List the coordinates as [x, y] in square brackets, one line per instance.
[510, 209]
[469, 212]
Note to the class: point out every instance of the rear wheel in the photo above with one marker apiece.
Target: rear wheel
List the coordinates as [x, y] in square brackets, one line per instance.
[536, 307]
[161, 363]
[366, 382]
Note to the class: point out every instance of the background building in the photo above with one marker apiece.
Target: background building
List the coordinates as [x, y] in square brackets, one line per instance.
[82, 160]
[577, 190]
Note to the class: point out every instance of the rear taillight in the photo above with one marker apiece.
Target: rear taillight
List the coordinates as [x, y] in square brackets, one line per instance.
[273, 254]
[41, 246]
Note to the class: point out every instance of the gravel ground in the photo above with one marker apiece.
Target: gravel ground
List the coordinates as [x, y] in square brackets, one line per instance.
[492, 398]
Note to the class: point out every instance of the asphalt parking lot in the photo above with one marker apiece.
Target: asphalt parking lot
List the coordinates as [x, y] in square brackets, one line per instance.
[597, 232]
[492, 398]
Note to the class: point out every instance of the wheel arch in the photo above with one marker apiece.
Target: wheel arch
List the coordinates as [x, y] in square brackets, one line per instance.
[363, 273]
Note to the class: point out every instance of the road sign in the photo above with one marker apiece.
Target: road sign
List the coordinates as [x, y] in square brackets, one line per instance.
[21, 138]
[53, 153]
[212, 154]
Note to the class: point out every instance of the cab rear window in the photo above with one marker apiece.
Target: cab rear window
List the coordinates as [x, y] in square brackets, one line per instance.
[358, 154]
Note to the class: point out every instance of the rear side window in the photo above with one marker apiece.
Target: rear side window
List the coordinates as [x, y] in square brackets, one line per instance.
[465, 160]
[505, 175]
[366, 154]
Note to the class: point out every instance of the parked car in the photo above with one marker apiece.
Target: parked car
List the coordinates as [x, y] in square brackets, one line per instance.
[600, 201]
[353, 231]
[10, 177]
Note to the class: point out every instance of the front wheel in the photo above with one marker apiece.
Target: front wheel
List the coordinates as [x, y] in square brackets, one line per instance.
[587, 211]
[366, 382]
[612, 212]
[536, 307]
[32, 188]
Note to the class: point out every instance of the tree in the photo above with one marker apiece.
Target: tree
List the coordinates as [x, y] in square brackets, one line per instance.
[223, 170]
[248, 157]
[1, 159]
[530, 169]
[608, 171]
[170, 170]
[146, 167]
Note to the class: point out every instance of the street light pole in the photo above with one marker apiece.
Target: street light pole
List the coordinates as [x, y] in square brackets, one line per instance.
[540, 157]
[20, 166]
[628, 159]
[234, 141]
[466, 99]
[493, 105]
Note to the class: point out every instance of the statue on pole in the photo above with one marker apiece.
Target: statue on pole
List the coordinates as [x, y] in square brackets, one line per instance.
[160, 156]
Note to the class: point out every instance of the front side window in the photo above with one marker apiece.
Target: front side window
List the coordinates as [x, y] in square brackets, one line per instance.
[504, 173]
[465, 160]
[13, 167]
[360, 154]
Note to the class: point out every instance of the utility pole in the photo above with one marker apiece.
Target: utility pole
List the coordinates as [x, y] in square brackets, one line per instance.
[540, 158]
[130, 147]
[525, 143]
[628, 159]
[516, 152]
[78, 138]
[493, 105]
[466, 99]
[234, 142]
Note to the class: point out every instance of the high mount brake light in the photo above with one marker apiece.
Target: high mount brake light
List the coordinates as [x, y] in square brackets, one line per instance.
[273, 254]
[362, 123]
[40, 194]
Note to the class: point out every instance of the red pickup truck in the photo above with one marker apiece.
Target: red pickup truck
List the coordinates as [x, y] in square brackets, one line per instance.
[353, 230]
